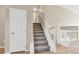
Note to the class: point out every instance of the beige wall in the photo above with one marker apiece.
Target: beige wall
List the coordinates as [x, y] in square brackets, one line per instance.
[60, 16]
[57, 15]
[72, 8]
[29, 25]
[1, 26]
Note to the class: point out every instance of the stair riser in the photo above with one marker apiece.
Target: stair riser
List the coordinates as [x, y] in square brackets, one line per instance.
[36, 23]
[41, 44]
[40, 51]
[36, 45]
[37, 26]
[39, 35]
[37, 29]
[38, 32]
[39, 39]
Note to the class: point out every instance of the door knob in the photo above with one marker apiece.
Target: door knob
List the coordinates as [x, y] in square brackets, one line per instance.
[12, 33]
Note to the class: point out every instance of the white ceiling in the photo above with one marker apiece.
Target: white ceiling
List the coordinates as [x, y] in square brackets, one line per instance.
[72, 8]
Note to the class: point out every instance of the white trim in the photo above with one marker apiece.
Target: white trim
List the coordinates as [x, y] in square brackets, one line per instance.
[10, 52]
[32, 47]
[27, 50]
[7, 52]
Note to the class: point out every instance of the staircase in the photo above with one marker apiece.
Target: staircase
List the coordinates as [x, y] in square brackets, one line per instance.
[40, 42]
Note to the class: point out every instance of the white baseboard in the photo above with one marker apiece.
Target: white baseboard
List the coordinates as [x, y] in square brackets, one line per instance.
[10, 52]
[7, 52]
[27, 50]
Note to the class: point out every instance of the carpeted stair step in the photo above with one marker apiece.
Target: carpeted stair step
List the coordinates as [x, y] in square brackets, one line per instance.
[36, 24]
[38, 31]
[39, 35]
[37, 45]
[40, 42]
[37, 28]
[41, 49]
[39, 38]
[43, 44]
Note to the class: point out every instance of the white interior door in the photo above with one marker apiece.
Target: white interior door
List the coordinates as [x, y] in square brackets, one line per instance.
[17, 29]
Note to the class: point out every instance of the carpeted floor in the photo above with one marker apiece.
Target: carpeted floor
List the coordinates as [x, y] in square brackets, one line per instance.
[73, 48]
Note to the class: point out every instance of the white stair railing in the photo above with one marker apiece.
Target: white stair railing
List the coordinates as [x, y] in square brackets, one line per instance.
[49, 31]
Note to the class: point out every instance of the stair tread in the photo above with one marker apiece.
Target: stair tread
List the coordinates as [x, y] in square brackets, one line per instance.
[39, 34]
[42, 37]
[40, 42]
[37, 26]
[36, 23]
[39, 38]
[38, 31]
[41, 47]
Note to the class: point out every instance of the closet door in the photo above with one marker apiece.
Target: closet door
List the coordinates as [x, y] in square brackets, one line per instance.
[17, 29]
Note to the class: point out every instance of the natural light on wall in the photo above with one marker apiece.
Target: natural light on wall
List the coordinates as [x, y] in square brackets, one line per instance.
[40, 10]
[34, 14]
[34, 9]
